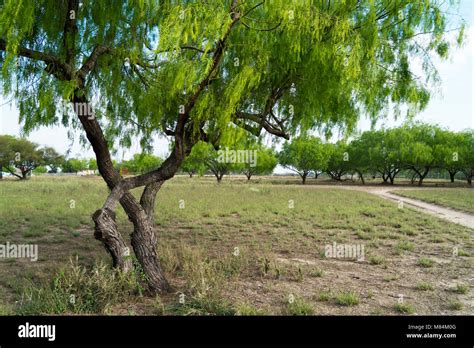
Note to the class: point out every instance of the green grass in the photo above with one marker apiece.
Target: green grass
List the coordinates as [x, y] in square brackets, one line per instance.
[455, 305]
[461, 289]
[347, 299]
[425, 287]
[460, 199]
[279, 248]
[299, 307]
[376, 260]
[404, 308]
[425, 262]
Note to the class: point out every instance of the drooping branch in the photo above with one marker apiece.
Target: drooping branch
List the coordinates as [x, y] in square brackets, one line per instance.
[55, 66]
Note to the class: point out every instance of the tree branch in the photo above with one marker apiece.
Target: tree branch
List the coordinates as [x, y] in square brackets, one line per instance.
[70, 30]
[54, 64]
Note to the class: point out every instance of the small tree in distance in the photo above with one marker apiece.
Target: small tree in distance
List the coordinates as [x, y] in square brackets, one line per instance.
[304, 155]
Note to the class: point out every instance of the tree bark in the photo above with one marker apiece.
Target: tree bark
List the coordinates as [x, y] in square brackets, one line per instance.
[143, 237]
[148, 198]
[303, 178]
[106, 231]
[413, 177]
[468, 178]
[423, 176]
[452, 174]
[361, 177]
[144, 245]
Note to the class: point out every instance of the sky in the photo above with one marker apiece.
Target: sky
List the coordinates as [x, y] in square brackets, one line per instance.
[450, 107]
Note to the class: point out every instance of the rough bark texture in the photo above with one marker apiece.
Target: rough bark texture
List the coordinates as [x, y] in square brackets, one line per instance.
[147, 201]
[144, 245]
[106, 231]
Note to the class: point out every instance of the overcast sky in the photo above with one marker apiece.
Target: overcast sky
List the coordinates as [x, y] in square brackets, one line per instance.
[452, 107]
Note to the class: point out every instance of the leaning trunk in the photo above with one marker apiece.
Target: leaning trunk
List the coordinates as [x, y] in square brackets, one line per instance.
[106, 231]
[361, 177]
[391, 178]
[422, 177]
[144, 245]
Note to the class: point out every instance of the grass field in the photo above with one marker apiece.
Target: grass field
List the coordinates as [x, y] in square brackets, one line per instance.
[235, 248]
[460, 199]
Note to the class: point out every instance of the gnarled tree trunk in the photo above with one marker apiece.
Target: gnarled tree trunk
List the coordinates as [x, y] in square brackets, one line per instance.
[106, 231]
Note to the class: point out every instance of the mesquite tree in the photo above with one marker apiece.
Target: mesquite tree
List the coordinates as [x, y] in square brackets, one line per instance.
[187, 69]
[304, 155]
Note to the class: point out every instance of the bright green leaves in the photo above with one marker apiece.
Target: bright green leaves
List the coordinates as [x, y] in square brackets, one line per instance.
[305, 154]
[341, 58]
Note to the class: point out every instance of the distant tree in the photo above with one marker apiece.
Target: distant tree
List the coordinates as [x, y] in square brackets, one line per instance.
[338, 163]
[195, 161]
[143, 163]
[92, 165]
[466, 155]
[213, 160]
[265, 161]
[40, 170]
[450, 146]
[19, 153]
[420, 150]
[74, 165]
[51, 159]
[303, 155]
[377, 152]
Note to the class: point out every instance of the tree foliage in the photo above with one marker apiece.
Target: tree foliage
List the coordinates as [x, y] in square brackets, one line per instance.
[19, 154]
[303, 155]
[142, 163]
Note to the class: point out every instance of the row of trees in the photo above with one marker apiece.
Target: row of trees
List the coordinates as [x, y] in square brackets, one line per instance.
[20, 157]
[415, 149]
[249, 158]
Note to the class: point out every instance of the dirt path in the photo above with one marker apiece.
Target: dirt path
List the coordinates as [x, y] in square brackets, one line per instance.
[458, 217]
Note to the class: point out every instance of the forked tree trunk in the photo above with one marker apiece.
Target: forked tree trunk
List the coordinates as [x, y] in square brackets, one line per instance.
[219, 177]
